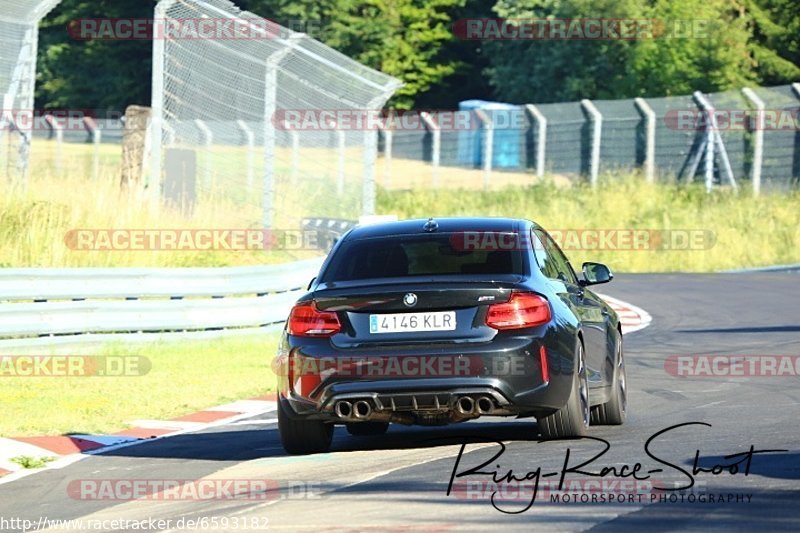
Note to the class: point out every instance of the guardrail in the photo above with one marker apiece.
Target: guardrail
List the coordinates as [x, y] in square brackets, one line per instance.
[70, 302]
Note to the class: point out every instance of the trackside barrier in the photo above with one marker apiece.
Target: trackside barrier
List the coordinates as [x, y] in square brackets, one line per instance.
[39, 302]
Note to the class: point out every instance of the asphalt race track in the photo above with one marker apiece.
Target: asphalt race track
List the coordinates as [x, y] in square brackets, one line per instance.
[398, 482]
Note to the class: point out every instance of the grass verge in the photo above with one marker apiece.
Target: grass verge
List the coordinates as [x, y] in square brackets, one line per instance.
[742, 230]
[184, 377]
[747, 231]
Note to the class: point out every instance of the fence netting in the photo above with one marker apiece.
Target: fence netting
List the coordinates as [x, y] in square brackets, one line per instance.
[19, 20]
[265, 121]
[781, 144]
[680, 133]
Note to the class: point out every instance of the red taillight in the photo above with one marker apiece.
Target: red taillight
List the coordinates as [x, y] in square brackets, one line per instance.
[522, 310]
[306, 320]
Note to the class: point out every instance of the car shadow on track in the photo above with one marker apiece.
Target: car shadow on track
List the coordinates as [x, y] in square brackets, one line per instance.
[244, 445]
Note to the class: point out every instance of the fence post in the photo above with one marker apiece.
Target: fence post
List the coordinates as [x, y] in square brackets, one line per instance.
[370, 157]
[95, 135]
[56, 130]
[270, 106]
[488, 145]
[7, 115]
[25, 149]
[209, 139]
[157, 105]
[713, 138]
[650, 138]
[758, 138]
[295, 156]
[597, 129]
[340, 151]
[436, 132]
[387, 154]
[251, 144]
[708, 163]
[541, 137]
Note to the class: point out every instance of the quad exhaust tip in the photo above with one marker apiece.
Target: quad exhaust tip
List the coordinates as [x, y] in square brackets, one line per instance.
[344, 409]
[484, 405]
[362, 409]
[465, 405]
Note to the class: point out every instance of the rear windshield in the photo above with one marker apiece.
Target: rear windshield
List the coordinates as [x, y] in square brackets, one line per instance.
[416, 255]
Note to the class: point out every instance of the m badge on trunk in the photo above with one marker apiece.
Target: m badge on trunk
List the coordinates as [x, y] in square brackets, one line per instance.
[410, 299]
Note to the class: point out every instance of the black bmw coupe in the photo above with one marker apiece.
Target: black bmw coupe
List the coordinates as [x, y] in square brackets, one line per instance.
[439, 321]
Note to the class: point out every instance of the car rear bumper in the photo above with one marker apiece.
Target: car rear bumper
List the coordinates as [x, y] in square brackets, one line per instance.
[509, 370]
[433, 401]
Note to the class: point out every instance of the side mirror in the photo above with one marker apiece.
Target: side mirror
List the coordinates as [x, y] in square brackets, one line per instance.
[310, 283]
[594, 273]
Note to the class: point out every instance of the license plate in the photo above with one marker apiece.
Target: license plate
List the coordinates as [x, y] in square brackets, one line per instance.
[403, 322]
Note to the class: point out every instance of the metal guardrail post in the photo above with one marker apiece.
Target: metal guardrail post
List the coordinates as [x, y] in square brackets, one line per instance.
[488, 145]
[541, 137]
[597, 129]
[251, 144]
[650, 138]
[758, 138]
[436, 132]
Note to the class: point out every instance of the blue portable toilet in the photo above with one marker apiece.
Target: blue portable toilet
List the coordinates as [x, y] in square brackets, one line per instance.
[509, 121]
[469, 140]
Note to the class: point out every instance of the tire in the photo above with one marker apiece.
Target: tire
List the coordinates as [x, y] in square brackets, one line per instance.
[366, 429]
[300, 437]
[612, 413]
[572, 420]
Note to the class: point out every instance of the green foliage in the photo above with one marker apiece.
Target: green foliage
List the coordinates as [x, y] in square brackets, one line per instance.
[29, 462]
[96, 74]
[775, 43]
[745, 42]
[711, 55]
[402, 38]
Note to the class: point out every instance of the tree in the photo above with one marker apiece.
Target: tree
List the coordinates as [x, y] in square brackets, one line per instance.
[403, 38]
[709, 55]
[775, 43]
[95, 74]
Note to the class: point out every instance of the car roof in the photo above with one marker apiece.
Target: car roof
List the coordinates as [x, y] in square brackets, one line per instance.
[444, 225]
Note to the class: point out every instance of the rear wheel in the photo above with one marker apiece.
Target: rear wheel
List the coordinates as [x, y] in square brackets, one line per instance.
[612, 413]
[366, 429]
[299, 436]
[572, 420]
